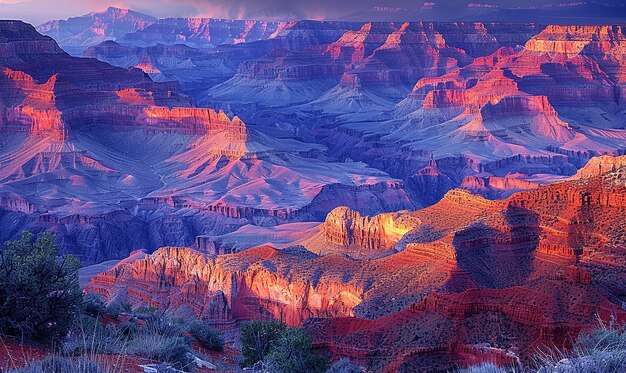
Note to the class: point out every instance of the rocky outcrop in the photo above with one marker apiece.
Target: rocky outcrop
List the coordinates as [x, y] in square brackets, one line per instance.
[590, 57]
[429, 184]
[379, 233]
[30, 107]
[14, 203]
[518, 105]
[354, 46]
[601, 165]
[437, 99]
[368, 199]
[195, 120]
[496, 187]
[574, 39]
[382, 232]
[238, 288]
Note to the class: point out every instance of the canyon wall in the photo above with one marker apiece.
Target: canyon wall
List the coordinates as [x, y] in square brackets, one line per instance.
[227, 288]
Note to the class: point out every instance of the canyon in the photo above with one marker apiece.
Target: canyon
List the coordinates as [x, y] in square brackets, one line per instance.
[403, 191]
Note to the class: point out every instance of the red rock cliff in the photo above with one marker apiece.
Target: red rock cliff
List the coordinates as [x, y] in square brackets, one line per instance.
[231, 287]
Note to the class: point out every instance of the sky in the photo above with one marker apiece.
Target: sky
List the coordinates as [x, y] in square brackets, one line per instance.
[39, 11]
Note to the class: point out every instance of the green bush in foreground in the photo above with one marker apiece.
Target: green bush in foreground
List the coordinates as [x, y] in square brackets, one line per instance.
[256, 339]
[40, 293]
[293, 353]
[271, 347]
[600, 350]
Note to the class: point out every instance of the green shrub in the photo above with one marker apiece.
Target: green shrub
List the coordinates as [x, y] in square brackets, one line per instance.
[293, 353]
[256, 339]
[93, 305]
[114, 309]
[599, 350]
[143, 312]
[208, 337]
[89, 336]
[128, 329]
[40, 293]
[160, 324]
[270, 346]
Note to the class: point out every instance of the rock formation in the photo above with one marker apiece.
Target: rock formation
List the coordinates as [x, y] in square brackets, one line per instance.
[236, 287]
[346, 227]
[496, 187]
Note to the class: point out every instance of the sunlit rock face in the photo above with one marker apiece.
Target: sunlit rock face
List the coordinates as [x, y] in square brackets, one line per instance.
[248, 286]
[590, 58]
[346, 227]
[601, 165]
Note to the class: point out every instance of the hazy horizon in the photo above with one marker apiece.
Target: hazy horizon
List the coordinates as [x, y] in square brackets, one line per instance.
[40, 11]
